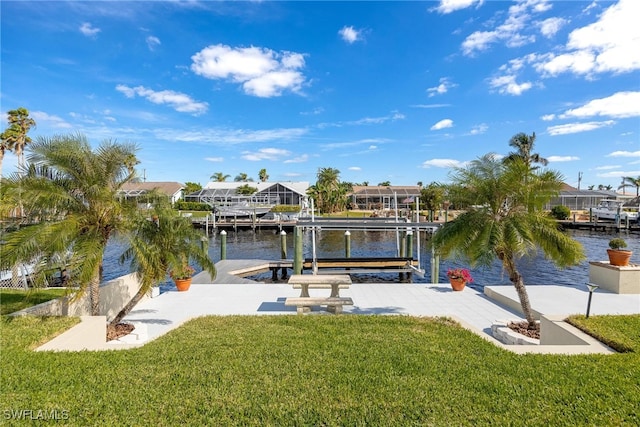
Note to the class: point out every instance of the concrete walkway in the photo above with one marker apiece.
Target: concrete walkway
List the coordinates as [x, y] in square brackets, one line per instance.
[473, 309]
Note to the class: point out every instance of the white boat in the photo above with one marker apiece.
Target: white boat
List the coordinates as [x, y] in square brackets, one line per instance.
[614, 209]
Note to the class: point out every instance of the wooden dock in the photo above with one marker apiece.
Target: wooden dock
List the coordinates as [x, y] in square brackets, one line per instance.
[605, 226]
[234, 271]
[362, 265]
[235, 224]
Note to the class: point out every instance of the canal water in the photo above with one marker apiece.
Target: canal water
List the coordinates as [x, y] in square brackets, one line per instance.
[265, 244]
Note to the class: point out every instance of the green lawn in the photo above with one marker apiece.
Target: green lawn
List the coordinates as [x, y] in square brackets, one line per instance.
[316, 370]
[13, 300]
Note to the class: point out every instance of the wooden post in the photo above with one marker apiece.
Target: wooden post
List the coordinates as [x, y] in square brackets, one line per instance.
[223, 244]
[409, 251]
[254, 217]
[297, 250]
[347, 244]
[283, 252]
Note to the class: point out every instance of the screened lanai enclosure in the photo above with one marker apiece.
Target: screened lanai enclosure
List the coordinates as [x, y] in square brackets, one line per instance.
[384, 197]
[224, 198]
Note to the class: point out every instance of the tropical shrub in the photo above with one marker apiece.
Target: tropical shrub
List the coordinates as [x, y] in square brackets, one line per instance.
[191, 206]
[560, 212]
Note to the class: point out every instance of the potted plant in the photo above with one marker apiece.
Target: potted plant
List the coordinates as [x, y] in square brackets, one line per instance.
[459, 277]
[617, 254]
[181, 275]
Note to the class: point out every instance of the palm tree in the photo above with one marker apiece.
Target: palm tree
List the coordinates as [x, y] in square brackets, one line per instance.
[242, 177]
[15, 138]
[629, 181]
[524, 144]
[155, 247]
[328, 193]
[71, 192]
[219, 177]
[263, 176]
[506, 220]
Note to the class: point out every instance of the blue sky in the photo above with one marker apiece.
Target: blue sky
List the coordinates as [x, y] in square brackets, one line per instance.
[382, 91]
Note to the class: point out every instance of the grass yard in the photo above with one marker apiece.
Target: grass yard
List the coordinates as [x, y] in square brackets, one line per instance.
[315, 370]
[12, 300]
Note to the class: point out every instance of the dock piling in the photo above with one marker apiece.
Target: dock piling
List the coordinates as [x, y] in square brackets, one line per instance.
[297, 250]
[223, 245]
[347, 244]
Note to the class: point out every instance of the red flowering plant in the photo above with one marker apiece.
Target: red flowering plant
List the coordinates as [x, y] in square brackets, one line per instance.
[182, 272]
[460, 273]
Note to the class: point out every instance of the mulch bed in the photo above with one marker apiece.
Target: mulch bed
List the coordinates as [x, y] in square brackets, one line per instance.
[523, 329]
[119, 330]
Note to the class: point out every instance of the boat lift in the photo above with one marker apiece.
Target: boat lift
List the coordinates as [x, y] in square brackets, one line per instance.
[377, 223]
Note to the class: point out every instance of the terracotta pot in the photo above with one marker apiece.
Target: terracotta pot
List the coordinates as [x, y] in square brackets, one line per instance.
[457, 284]
[183, 284]
[619, 257]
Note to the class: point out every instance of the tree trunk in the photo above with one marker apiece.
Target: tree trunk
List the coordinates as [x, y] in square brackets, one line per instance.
[518, 283]
[94, 293]
[127, 308]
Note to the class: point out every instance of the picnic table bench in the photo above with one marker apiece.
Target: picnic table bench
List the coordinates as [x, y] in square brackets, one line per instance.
[305, 282]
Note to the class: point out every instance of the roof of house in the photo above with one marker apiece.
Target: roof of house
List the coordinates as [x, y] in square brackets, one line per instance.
[299, 187]
[136, 188]
[385, 190]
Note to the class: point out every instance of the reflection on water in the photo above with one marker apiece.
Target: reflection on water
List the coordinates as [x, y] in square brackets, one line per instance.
[265, 244]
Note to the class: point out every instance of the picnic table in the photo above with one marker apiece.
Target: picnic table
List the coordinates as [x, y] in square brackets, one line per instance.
[334, 302]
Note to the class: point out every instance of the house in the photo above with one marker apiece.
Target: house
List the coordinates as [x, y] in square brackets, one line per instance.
[384, 197]
[173, 190]
[577, 200]
[266, 194]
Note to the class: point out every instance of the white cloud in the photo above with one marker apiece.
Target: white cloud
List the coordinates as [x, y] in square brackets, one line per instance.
[355, 168]
[510, 31]
[178, 101]
[442, 163]
[300, 159]
[52, 120]
[549, 27]
[624, 154]
[442, 124]
[430, 105]
[265, 154]
[619, 105]
[391, 117]
[88, 30]
[618, 174]
[350, 34]
[604, 168]
[448, 6]
[548, 117]
[225, 137]
[153, 42]
[562, 158]
[442, 88]
[478, 129]
[314, 112]
[608, 45]
[262, 72]
[507, 85]
[214, 159]
[577, 127]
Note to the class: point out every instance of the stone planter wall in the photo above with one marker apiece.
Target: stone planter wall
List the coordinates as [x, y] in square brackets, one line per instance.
[620, 280]
[114, 295]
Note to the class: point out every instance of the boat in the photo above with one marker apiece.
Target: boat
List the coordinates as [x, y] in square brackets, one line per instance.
[241, 211]
[614, 210]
